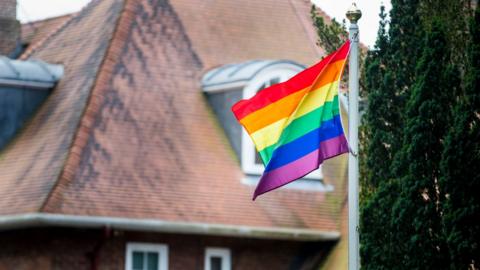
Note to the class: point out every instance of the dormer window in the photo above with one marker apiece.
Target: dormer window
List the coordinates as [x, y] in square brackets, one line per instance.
[228, 84]
[251, 162]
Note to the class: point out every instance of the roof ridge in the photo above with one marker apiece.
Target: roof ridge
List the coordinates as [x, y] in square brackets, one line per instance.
[303, 21]
[51, 18]
[92, 104]
[42, 42]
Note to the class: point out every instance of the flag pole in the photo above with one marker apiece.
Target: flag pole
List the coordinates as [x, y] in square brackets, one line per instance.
[353, 15]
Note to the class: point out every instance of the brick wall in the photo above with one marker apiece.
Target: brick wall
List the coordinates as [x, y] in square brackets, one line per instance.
[61, 248]
[9, 27]
[8, 9]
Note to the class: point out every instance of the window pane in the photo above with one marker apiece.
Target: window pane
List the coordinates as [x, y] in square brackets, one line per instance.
[274, 81]
[137, 260]
[258, 159]
[215, 263]
[263, 86]
[269, 82]
[152, 261]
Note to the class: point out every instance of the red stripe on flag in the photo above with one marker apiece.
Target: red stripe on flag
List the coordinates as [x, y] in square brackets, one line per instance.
[299, 82]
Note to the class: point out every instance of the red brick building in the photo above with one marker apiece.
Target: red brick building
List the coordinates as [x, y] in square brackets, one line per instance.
[133, 160]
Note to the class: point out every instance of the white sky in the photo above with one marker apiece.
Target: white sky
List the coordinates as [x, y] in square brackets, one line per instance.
[368, 24]
[31, 10]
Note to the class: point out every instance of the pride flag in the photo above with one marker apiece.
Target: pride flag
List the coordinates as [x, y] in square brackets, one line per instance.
[295, 125]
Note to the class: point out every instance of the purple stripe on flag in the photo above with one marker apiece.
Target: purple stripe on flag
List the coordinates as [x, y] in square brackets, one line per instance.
[302, 166]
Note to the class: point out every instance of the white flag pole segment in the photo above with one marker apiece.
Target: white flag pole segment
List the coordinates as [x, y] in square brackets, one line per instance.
[353, 15]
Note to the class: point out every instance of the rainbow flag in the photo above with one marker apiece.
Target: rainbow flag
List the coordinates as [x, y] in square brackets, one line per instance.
[295, 125]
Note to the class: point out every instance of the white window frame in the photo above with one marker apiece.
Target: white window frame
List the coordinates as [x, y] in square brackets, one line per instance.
[284, 72]
[223, 253]
[161, 249]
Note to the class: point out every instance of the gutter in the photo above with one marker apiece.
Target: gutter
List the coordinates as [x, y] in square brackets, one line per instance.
[26, 84]
[35, 220]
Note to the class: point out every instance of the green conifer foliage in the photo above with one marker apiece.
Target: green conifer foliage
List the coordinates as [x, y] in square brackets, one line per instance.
[460, 178]
[390, 71]
[376, 125]
[420, 139]
[417, 209]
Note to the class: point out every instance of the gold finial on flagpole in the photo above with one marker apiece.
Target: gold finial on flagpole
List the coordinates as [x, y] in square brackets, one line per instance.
[353, 13]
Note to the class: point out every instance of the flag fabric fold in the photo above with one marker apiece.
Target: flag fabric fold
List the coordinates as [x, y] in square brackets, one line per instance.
[296, 125]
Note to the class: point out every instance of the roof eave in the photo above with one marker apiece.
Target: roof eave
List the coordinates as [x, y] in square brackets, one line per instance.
[223, 87]
[152, 225]
[34, 85]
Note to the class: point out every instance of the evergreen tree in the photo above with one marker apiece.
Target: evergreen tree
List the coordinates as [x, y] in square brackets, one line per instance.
[420, 137]
[389, 75]
[377, 189]
[454, 14]
[417, 210]
[390, 72]
[419, 203]
[460, 178]
[374, 120]
[406, 35]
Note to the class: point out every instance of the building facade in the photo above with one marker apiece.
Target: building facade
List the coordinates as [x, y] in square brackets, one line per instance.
[133, 159]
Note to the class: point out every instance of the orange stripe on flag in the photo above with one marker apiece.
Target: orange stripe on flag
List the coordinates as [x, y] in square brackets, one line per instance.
[285, 106]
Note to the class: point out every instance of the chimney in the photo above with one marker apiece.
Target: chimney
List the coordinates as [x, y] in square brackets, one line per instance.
[9, 28]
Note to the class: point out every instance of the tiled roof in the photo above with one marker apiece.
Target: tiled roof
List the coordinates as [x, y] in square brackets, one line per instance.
[32, 163]
[128, 133]
[232, 31]
[36, 31]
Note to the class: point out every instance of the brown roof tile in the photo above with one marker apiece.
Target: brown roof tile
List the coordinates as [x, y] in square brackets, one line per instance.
[34, 32]
[31, 164]
[128, 132]
[232, 31]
